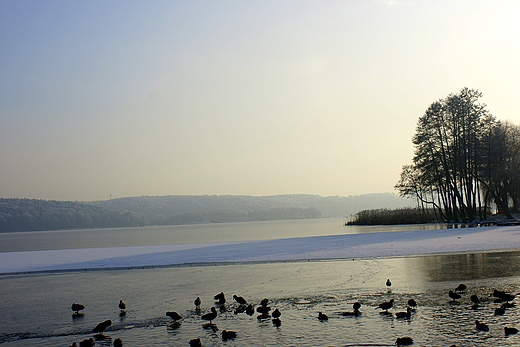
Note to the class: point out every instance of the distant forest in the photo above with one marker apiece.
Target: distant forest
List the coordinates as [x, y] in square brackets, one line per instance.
[34, 215]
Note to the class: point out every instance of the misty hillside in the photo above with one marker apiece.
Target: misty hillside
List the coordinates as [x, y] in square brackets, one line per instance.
[156, 207]
[34, 215]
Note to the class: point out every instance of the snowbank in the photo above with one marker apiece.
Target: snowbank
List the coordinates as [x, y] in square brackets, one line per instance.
[386, 244]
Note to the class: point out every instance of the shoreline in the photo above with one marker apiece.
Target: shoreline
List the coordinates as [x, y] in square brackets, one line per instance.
[314, 248]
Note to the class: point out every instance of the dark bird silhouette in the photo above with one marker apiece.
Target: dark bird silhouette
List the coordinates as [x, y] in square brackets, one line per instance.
[277, 322]
[388, 283]
[386, 305]
[263, 310]
[322, 316]
[77, 307]
[228, 334]
[412, 303]
[101, 327]
[475, 299]
[220, 298]
[481, 326]
[173, 315]
[510, 331]
[197, 303]
[264, 302]
[87, 343]
[356, 311]
[406, 314]
[507, 297]
[454, 296]
[461, 287]
[240, 300]
[499, 311]
[118, 342]
[404, 341]
[276, 313]
[210, 316]
[195, 343]
[250, 310]
[122, 305]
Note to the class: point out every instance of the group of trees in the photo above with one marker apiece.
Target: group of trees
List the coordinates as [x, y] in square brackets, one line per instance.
[466, 162]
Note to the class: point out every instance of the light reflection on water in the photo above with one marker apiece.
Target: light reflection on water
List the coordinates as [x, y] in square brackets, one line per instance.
[40, 303]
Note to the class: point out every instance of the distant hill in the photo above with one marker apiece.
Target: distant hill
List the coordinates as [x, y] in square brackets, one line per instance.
[32, 214]
[246, 207]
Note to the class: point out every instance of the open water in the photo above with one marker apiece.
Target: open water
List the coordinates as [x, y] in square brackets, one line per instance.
[35, 307]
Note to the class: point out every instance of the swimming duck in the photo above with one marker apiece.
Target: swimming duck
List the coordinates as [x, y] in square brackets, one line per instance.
[173, 315]
[386, 305]
[197, 302]
[118, 342]
[461, 287]
[195, 343]
[406, 314]
[454, 296]
[276, 313]
[481, 326]
[87, 343]
[510, 331]
[322, 316]
[404, 341]
[220, 298]
[228, 334]
[474, 298]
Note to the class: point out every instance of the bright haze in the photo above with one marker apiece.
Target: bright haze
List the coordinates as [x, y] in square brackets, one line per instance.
[129, 98]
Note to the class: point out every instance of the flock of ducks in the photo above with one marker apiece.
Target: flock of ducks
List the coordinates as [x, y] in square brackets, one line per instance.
[265, 313]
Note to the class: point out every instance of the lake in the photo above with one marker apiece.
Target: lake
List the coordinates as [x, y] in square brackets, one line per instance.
[36, 311]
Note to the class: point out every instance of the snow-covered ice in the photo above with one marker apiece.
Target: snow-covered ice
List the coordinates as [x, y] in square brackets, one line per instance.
[385, 244]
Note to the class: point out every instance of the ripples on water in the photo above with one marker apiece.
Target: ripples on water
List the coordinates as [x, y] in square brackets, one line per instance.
[36, 307]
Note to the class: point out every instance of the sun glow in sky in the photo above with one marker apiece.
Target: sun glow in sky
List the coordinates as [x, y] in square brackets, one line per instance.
[134, 98]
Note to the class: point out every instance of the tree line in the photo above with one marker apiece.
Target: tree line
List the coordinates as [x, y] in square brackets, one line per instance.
[37, 215]
[466, 163]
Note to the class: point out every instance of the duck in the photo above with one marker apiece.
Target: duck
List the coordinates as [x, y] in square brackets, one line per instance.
[118, 342]
[499, 311]
[87, 343]
[173, 315]
[404, 341]
[228, 334]
[122, 305]
[250, 310]
[276, 313]
[388, 283]
[77, 307]
[510, 331]
[481, 326]
[322, 316]
[263, 309]
[195, 342]
[406, 314]
[386, 305]
[461, 288]
[240, 300]
[210, 316]
[220, 298]
[356, 311]
[475, 299]
[454, 296]
[101, 327]
[197, 302]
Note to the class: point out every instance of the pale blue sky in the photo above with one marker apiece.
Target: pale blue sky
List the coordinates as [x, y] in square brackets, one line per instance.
[236, 97]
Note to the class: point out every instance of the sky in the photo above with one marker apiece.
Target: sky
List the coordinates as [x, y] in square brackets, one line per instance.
[103, 99]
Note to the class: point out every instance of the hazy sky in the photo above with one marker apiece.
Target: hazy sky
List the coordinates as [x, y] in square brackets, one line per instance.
[135, 98]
